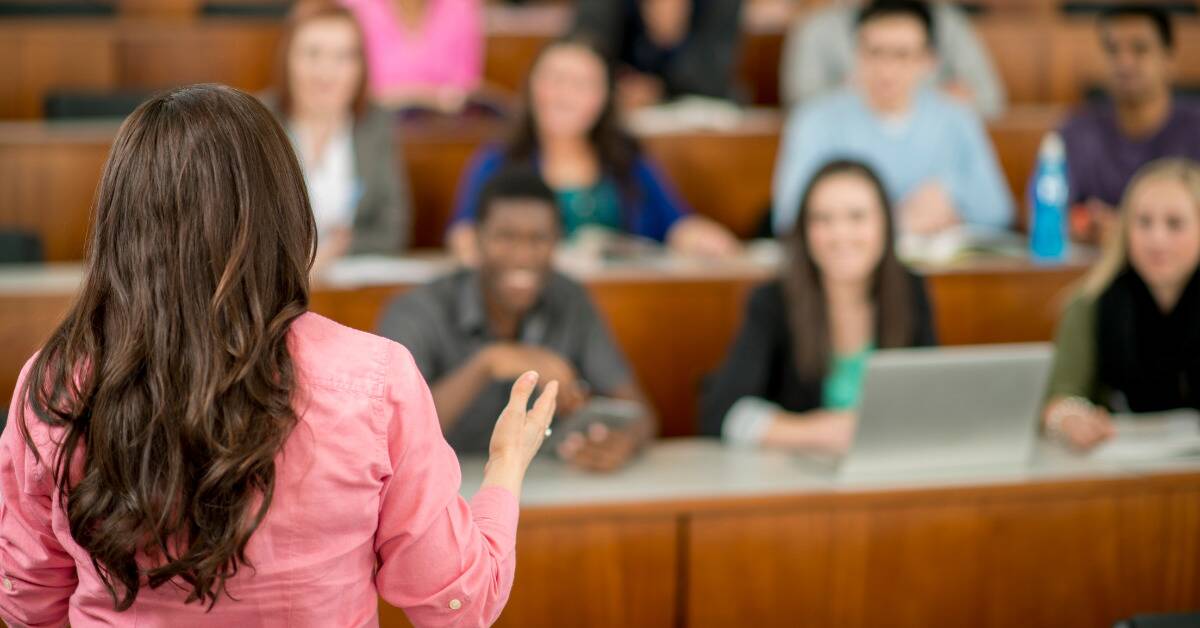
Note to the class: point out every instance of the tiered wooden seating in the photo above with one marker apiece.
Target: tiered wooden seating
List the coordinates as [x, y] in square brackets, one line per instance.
[673, 323]
[1043, 60]
[48, 172]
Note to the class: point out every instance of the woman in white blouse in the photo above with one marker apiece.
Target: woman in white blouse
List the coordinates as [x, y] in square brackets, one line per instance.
[356, 187]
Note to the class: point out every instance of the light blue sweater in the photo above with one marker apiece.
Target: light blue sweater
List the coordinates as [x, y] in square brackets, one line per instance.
[940, 140]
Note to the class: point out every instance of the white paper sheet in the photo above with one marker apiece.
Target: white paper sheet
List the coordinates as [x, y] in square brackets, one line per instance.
[1149, 437]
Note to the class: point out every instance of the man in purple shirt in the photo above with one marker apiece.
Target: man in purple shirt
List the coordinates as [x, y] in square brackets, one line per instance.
[1107, 142]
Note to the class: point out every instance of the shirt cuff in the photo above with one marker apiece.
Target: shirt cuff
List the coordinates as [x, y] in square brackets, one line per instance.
[747, 421]
[495, 511]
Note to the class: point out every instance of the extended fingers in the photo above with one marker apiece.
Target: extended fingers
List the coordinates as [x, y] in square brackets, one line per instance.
[518, 399]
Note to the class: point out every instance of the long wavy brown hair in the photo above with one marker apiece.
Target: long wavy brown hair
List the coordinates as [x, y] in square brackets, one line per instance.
[808, 312]
[170, 377]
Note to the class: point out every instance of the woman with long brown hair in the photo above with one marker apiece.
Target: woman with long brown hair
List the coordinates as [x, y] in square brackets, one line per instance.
[570, 132]
[192, 447]
[793, 376]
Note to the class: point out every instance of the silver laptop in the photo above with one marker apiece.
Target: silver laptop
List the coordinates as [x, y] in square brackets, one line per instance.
[944, 408]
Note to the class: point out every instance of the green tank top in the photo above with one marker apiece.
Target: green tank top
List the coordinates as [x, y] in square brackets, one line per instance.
[842, 388]
[598, 205]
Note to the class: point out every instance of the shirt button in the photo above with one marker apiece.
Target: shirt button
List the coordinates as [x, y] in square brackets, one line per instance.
[455, 604]
[8, 585]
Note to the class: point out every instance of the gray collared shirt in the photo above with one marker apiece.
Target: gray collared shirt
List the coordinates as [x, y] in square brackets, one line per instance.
[444, 324]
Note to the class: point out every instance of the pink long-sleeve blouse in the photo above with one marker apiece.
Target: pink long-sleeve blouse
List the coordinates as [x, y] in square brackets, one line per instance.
[446, 51]
[366, 505]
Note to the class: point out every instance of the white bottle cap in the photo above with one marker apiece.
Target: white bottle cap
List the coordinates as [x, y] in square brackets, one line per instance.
[1052, 147]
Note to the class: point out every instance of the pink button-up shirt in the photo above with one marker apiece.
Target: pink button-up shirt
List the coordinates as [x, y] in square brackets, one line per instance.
[366, 505]
[447, 51]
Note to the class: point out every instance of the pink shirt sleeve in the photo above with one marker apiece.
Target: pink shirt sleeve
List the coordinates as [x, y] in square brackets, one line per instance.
[37, 575]
[444, 562]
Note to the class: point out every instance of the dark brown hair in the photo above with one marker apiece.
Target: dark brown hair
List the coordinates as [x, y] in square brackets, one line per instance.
[302, 13]
[616, 149]
[808, 312]
[170, 377]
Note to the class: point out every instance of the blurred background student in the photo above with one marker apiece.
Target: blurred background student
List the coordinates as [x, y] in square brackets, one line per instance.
[931, 151]
[423, 54]
[357, 187]
[819, 51]
[473, 332]
[793, 376]
[571, 133]
[665, 49]
[1139, 120]
[1130, 341]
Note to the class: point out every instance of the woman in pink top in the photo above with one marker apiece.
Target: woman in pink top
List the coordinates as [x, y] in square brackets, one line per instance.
[422, 53]
[192, 448]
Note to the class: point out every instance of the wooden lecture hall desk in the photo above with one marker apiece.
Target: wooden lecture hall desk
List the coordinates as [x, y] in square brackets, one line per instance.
[49, 171]
[673, 317]
[700, 535]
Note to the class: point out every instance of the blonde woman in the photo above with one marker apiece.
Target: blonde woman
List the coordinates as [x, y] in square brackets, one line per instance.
[1130, 341]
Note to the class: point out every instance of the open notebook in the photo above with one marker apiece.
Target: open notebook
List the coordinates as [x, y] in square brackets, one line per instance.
[1150, 437]
[957, 243]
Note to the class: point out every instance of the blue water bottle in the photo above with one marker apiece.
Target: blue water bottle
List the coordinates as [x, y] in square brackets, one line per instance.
[1048, 237]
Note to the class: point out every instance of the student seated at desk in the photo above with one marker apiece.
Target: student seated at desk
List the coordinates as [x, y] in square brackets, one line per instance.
[666, 49]
[570, 131]
[793, 376]
[1139, 121]
[424, 54]
[473, 332]
[818, 56]
[358, 193]
[932, 152]
[1130, 341]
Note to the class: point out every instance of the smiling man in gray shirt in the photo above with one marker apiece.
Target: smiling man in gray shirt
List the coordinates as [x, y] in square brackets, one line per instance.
[475, 331]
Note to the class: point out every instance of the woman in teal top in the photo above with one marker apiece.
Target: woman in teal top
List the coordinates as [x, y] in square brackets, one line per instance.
[571, 132]
[794, 375]
[595, 206]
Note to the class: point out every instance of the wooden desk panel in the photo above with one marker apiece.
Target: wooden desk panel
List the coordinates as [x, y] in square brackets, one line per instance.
[1078, 555]
[47, 188]
[609, 572]
[38, 60]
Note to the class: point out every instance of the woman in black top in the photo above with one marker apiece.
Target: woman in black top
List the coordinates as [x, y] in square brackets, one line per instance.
[793, 376]
[1130, 341]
